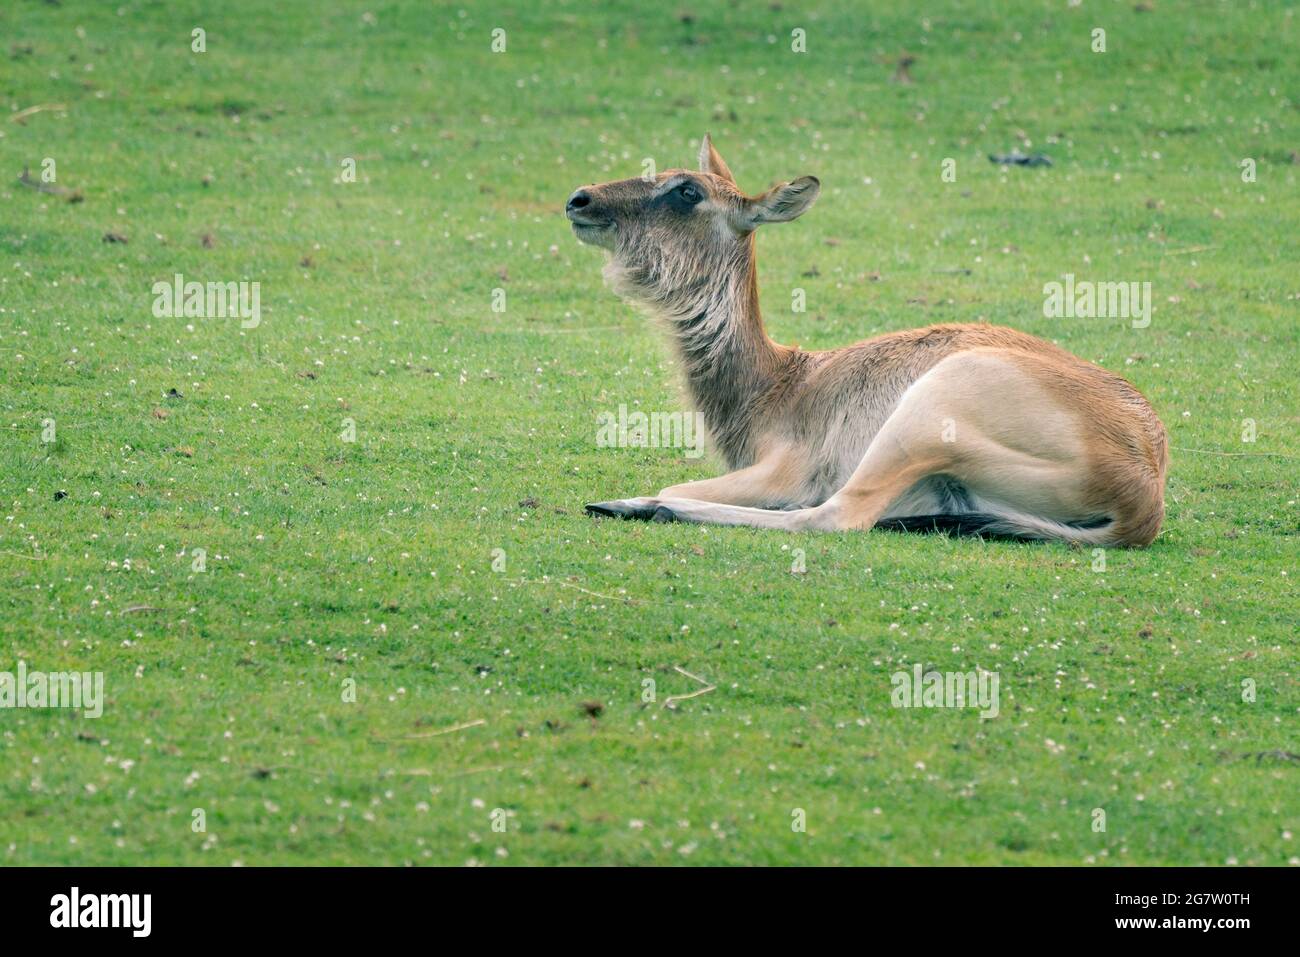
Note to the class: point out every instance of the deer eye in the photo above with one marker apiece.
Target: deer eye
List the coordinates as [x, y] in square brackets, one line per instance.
[689, 193]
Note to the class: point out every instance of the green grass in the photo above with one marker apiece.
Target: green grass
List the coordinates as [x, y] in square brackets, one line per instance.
[372, 560]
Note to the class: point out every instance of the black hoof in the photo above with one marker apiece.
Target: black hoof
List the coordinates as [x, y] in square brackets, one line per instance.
[663, 514]
[622, 509]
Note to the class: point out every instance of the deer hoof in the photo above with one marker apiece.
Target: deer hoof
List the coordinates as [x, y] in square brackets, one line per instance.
[643, 509]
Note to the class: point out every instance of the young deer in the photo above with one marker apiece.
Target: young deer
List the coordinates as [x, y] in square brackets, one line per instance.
[971, 428]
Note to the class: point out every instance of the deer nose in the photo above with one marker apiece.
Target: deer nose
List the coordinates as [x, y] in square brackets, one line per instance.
[578, 200]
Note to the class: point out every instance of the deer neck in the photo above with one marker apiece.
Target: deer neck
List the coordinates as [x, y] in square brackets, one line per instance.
[728, 359]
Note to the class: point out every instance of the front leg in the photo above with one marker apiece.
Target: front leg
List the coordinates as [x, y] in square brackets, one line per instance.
[774, 482]
[710, 513]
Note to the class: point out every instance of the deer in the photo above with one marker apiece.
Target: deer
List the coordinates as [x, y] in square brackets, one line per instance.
[970, 429]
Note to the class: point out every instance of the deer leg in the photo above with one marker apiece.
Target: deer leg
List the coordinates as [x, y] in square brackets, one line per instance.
[906, 450]
[766, 494]
[713, 513]
[885, 473]
[984, 421]
[774, 483]
[875, 484]
[909, 447]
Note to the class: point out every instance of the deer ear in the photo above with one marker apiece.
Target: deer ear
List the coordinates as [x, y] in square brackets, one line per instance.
[780, 204]
[711, 162]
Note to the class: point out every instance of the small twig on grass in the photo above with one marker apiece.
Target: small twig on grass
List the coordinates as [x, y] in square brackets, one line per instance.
[433, 734]
[486, 767]
[34, 558]
[671, 700]
[585, 591]
[21, 115]
[428, 772]
[1189, 249]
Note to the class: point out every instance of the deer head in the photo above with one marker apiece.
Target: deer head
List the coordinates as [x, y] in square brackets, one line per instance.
[680, 239]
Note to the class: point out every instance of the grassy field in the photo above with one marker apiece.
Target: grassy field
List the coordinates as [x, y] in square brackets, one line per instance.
[399, 645]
